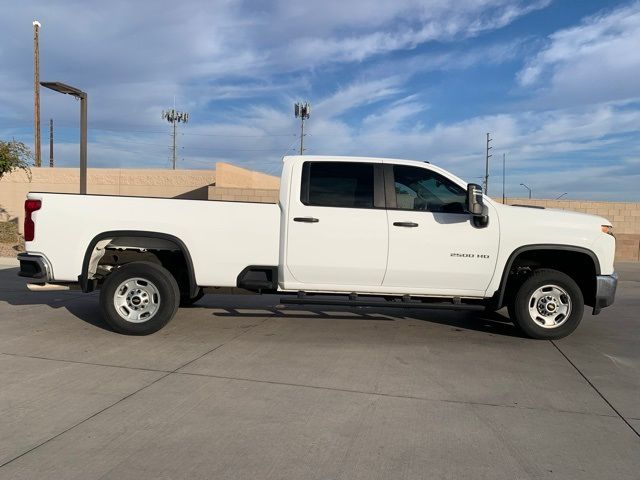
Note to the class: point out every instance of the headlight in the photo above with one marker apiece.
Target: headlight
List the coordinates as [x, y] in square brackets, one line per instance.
[608, 229]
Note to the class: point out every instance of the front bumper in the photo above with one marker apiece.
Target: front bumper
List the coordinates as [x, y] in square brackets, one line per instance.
[34, 266]
[605, 291]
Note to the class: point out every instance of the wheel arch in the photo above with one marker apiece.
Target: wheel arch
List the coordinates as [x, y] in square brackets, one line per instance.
[88, 284]
[538, 250]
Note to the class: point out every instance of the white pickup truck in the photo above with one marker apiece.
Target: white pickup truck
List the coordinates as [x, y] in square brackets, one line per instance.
[346, 231]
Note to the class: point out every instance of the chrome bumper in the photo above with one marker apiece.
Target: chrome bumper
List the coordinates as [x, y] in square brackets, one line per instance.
[34, 266]
[605, 291]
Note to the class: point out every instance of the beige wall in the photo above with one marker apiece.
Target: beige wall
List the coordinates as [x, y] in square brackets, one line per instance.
[229, 182]
[228, 175]
[241, 185]
[625, 217]
[109, 181]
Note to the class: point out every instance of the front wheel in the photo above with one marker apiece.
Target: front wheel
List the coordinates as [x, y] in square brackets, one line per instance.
[139, 298]
[186, 300]
[548, 305]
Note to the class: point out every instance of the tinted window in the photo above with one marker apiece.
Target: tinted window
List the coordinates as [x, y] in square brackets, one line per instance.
[421, 189]
[338, 184]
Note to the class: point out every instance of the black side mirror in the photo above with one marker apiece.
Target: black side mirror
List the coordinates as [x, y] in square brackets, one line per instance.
[475, 203]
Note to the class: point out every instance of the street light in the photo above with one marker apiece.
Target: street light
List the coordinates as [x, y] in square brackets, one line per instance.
[527, 189]
[558, 198]
[76, 92]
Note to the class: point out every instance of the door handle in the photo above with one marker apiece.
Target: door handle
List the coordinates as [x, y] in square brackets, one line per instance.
[306, 219]
[405, 224]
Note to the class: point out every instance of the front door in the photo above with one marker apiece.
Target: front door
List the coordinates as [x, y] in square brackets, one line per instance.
[433, 243]
[337, 230]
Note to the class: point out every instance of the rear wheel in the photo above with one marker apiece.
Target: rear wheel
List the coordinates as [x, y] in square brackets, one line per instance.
[548, 305]
[139, 298]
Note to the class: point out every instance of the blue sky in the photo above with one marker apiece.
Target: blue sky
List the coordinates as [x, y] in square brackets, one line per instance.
[556, 82]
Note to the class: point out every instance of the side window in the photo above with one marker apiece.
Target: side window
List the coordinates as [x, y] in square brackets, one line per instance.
[422, 189]
[337, 184]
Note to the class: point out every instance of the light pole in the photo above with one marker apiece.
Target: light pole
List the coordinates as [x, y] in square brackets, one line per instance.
[36, 92]
[503, 177]
[76, 92]
[302, 111]
[527, 189]
[559, 197]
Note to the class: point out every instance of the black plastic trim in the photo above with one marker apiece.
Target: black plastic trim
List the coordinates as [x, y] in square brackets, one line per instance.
[33, 266]
[540, 246]
[442, 305]
[258, 286]
[88, 285]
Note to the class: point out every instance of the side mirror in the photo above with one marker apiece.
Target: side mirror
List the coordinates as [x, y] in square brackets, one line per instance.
[475, 203]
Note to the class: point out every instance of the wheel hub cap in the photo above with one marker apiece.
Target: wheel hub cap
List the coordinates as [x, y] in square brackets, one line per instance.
[136, 300]
[550, 306]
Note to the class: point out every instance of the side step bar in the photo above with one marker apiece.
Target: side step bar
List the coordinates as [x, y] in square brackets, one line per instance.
[302, 300]
[52, 287]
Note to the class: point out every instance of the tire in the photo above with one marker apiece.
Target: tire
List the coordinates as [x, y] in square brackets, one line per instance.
[187, 301]
[548, 305]
[139, 298]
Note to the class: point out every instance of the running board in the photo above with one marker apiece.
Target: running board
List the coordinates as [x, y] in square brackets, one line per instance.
[52, 287]
[380, 303]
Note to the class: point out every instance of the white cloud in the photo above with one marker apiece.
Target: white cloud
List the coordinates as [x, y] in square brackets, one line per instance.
[596, 61]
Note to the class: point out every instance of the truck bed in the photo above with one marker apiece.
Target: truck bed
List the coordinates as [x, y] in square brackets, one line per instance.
[222, 237]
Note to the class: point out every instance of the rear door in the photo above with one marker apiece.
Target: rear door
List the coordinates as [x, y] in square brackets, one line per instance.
[433, 243]
[337, 225]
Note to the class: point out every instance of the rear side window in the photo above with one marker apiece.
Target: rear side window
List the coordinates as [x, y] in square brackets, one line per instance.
[337, 184]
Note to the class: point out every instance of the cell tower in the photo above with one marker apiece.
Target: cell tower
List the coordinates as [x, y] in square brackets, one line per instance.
[174, 117]
[303, 112]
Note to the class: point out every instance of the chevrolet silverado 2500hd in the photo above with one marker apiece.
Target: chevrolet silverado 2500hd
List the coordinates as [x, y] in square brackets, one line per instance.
[346, 231]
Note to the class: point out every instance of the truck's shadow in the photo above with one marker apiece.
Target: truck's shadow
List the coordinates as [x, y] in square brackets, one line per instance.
[85, 307]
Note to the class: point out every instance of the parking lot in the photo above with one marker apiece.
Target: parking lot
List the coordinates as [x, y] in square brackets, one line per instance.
[239, 388]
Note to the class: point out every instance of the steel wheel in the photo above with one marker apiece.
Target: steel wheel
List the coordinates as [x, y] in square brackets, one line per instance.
[547, 305]
[136, 300]
[550, 306]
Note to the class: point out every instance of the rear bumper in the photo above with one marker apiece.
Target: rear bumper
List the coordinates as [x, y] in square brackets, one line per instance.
[34, 266]
[605, 291]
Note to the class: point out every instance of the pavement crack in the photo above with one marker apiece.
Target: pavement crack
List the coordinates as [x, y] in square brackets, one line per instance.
[79, 362]
[391, 395]
[595, 388]
[117, 402]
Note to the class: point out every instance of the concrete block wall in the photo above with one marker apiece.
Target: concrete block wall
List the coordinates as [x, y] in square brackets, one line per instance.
[238, 184]
[259, 195]
[625, 217]
[106, 181]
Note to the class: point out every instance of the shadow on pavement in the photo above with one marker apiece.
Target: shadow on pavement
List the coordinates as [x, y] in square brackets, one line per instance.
[86, 308]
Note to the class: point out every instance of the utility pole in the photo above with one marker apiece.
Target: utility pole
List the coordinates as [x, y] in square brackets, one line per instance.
[174, 117]
[51, 142]
[486, 170]
[36, 92]
[302, 111]
[503, 177]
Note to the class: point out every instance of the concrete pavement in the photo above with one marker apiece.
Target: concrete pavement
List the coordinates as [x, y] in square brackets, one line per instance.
[238, 388]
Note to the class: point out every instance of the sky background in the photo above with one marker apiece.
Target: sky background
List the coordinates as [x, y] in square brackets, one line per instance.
[555, 82]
